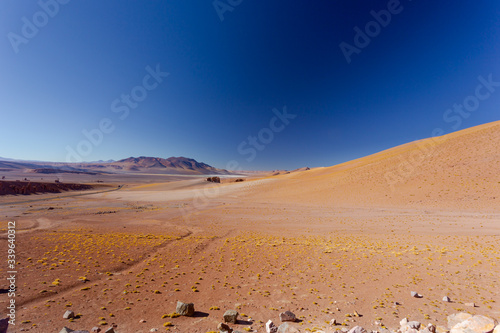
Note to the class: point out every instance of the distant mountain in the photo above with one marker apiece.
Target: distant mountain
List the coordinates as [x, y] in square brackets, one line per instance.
[168, 165]
[144, 164]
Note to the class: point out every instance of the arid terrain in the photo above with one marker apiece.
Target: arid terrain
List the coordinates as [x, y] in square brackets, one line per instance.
[349, 242]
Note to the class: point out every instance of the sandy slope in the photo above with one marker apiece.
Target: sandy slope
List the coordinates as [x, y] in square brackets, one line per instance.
[322, 243]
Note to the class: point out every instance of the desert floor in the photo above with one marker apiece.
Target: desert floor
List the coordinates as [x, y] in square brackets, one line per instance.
[257, 246]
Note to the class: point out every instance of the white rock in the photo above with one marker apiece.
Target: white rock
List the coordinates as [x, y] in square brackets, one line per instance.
[415, 294]
[475, 324]
[270, 327]
[457, 318]
[357, 329]
[68, 314]
[446, 299]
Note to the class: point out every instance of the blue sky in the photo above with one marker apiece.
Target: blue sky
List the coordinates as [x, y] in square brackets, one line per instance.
[67, 67]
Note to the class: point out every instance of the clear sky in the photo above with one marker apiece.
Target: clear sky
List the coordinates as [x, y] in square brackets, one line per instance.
[201, 78]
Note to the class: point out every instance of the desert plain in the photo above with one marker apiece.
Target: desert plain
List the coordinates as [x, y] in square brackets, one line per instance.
[348, 242]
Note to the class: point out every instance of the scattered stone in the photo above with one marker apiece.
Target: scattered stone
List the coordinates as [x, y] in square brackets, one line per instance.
[185, 309]
[154, 330]
[66, 330]
[231, 316]
[415, 294]
[344, 329]
[472, 305]
[287, 328]
[403, 322]
[357, 329]
[475, 324]
[4, 324]
[270, 327]
[457, 318]
[446, 299]
[142, 321]
[68, 314]
[222, 327]
[95, 329]
[356, 314]
[333, 322]
[110, 330]
[69, 330]
[287, 316]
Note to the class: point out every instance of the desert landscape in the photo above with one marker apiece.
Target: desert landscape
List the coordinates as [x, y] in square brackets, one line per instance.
[410, 232]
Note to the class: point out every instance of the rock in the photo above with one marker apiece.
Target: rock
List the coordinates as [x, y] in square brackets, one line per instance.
[403, 322]
[333, 322]
[66, 330]
[142, 321]
[412, 330]
[472, 305]
[231, 316]
[154, 330]
[287, 328]
[270, 327]
[475, 324]
[95, 329]
[110, 330]
[431, 328]
[497, 329]
[457, 318]
[287, 316]
[185, 309]
[446, 299]
[222, 327]
[344, 329]
[68, 314]
[357, 329]
[69, 330]
[415, 294]
[4, 324]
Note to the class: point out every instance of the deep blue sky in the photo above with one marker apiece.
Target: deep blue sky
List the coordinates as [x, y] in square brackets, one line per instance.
[225, 78]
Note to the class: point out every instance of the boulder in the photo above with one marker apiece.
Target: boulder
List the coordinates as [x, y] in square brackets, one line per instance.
[270, 327]
[4, 324]
[287, 328]
[222, 327]
[185, 309]
[68, 314]
[231, 316]
[457, 318]
[287, 316]
[357, 329]
[415, 294]
[475, 324]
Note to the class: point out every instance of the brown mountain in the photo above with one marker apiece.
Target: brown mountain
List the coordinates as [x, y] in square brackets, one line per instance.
[168, 165]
